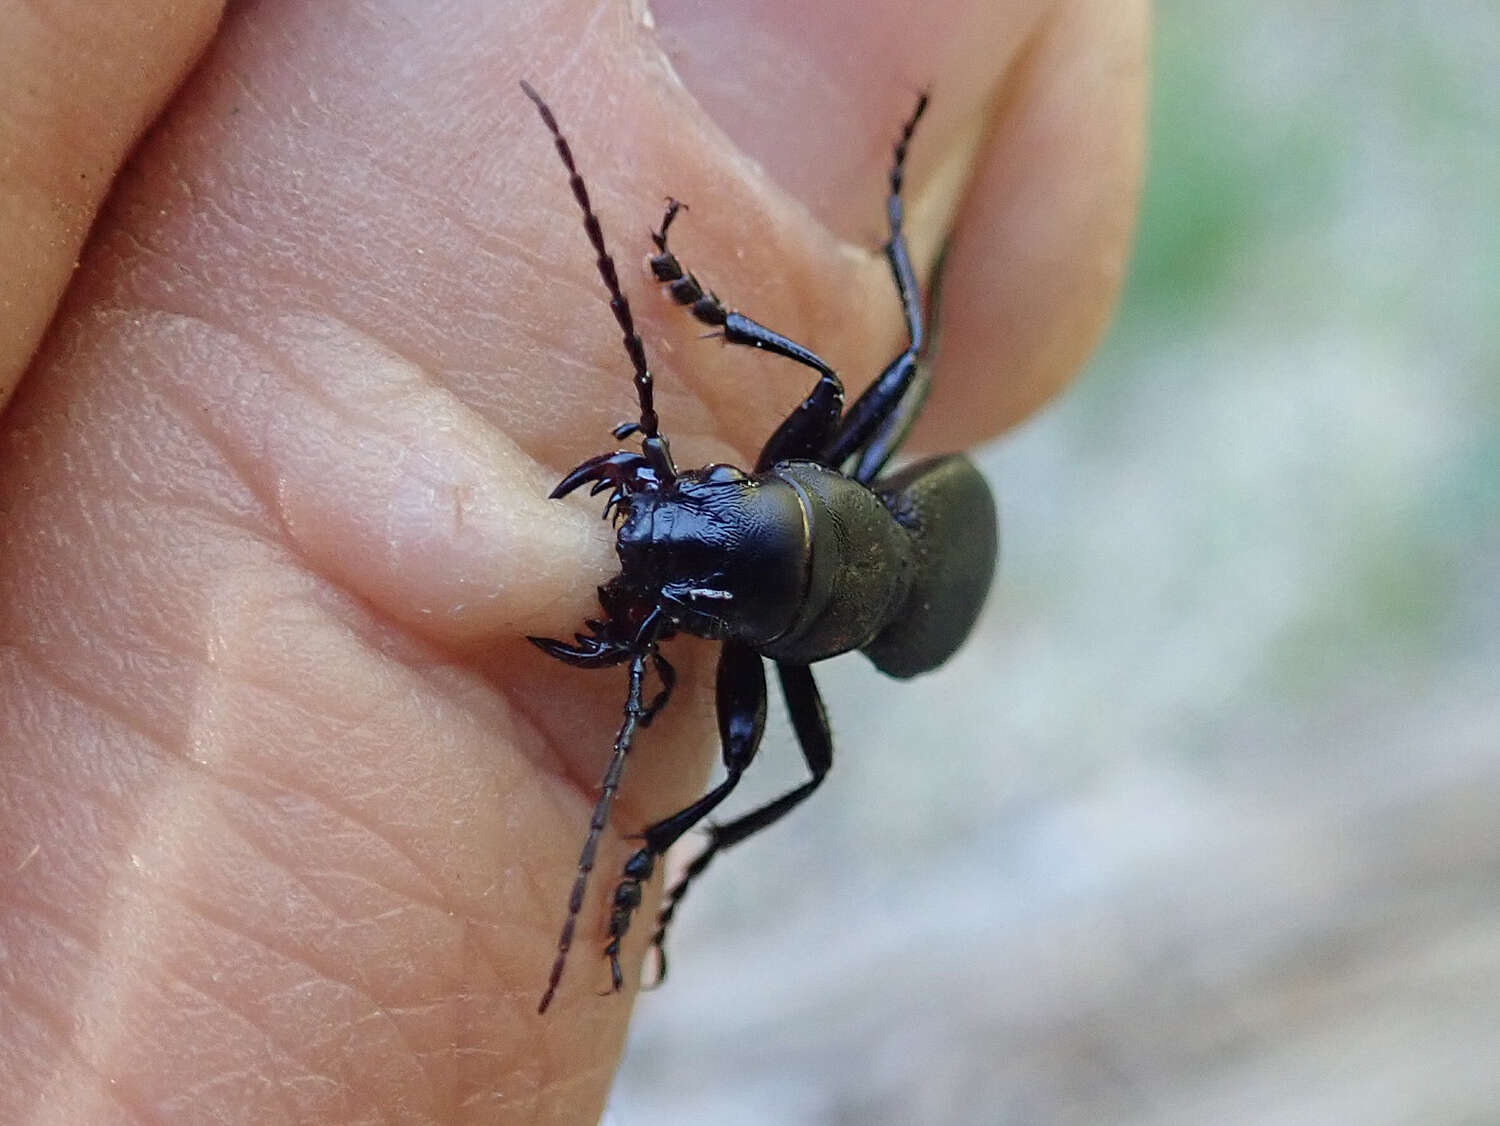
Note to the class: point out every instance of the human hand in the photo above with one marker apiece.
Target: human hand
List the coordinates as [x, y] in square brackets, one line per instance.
[290, 807]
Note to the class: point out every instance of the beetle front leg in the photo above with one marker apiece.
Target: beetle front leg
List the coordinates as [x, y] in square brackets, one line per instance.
[741, 704]
[807, 428]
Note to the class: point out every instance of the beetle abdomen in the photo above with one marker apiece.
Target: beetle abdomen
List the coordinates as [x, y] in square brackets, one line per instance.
[947, 507]
[860, 569]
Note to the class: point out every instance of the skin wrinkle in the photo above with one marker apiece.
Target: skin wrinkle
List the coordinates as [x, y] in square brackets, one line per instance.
[194, 1094]
[98, 804]
[103, 1087]
[282, 360]
[346, 810]
[163, 741]
[440, 888]
[91, 700]
[165, 974]
[367, 827]
[52, 917]
[198, 513]
[169, 896]
[460, 692]
[435, 900]
[198, 421]
[335, 804]
[262, 846]
[479, 236]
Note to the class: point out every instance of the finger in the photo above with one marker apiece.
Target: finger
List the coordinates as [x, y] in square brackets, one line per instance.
[269, 514]
[81, 82]
[1039, 249]
[1035, 129]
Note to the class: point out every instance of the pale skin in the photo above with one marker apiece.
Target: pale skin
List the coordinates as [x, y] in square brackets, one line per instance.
[288, 807]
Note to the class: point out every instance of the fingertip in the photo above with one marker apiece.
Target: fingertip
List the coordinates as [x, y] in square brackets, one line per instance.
[812, 94]
[1041, 243]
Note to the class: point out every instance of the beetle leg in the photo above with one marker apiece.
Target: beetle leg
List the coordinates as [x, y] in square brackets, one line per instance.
[668, 677]
[685, 289]
[600, 818]
[810, 721]
[741, 704]
[808, 427]
[891, 431]
[643, 645]
[877, 422]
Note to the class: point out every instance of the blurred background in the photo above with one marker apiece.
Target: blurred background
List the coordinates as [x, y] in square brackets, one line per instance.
[1204, 824]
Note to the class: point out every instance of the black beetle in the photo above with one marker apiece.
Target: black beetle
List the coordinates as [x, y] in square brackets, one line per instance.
[811, 555]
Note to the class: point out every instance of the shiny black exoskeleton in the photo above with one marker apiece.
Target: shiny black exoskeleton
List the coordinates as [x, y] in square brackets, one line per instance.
[811, 555]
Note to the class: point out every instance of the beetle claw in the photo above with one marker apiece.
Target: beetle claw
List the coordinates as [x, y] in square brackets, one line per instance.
[624, 468]
[589, 653]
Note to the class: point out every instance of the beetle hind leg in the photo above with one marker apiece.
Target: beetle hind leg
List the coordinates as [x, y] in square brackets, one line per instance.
[876, 425]
[810, 721]
[741, 705]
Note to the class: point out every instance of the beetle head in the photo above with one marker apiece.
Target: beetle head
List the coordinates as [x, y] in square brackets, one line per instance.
[727, 553]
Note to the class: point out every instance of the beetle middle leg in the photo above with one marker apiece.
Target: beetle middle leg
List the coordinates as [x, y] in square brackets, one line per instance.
[810, 721]
[741, 703]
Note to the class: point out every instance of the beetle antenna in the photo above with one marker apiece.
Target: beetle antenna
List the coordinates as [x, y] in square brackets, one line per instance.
[618, 303]
[635, 713]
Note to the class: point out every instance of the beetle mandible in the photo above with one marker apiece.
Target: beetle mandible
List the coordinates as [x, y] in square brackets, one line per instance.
[811, 554]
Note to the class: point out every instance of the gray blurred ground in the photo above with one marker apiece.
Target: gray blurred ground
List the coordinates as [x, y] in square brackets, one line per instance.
[1204, 825]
